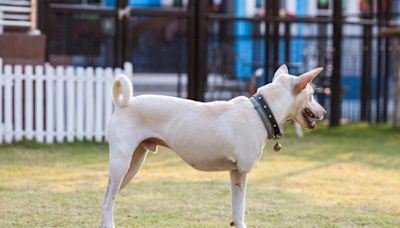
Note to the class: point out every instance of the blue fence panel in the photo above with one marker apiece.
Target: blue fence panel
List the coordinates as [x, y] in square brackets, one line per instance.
[243, 43]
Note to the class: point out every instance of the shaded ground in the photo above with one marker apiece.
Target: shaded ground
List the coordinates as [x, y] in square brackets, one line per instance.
[347, 177]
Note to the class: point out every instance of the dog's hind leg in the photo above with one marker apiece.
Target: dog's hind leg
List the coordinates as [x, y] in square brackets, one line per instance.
[136, 162]
[120, 158]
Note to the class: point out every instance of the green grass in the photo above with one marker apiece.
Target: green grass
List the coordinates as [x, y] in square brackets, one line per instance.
[344, 177]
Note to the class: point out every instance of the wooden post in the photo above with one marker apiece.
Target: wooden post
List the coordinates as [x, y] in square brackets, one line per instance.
[33, 15]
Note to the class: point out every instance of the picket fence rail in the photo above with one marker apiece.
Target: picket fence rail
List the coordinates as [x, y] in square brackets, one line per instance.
[52, 104]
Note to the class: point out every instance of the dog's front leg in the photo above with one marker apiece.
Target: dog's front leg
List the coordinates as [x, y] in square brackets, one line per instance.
[238, 192]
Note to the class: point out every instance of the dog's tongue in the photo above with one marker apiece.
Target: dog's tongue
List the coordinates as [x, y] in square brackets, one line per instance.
[312, 125]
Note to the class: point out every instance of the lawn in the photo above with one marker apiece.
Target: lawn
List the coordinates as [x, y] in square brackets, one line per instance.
[344, 177]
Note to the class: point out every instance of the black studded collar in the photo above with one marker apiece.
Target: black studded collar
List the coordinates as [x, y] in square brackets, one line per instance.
[266, 116]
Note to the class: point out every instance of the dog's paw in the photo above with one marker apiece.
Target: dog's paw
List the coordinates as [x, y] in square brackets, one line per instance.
[238, 224]
[105, 225]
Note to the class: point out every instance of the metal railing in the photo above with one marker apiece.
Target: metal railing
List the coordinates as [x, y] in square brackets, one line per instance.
[196, 39]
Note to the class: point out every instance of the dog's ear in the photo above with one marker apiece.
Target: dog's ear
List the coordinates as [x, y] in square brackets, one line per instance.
[281, 70]
[301, 82]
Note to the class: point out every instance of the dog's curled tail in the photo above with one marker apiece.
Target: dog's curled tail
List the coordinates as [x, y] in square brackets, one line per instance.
[122, 91]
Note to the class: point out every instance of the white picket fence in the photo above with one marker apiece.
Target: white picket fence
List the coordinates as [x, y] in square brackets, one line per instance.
[48, 104]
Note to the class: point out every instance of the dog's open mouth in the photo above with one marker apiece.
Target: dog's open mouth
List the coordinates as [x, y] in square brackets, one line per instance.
[309, 118]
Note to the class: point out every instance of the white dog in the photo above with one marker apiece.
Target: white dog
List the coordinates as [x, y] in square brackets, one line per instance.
[216, 136]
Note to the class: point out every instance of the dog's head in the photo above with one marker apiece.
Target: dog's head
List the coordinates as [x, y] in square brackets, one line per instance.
[299, 94]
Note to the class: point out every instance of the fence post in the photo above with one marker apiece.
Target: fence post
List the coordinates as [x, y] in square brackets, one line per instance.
[60, 130]
[379, 64]
[99, 74]
[128, 69]
[28, 102]
[71, 96]
[366, 73]
[267, 41]
[118, 71]
[287, 42]
[336, 85]
[396, 91]
[275, 36]
[34, 9]
[89, 104]
[108, 101]
[39, 103]
[197, 27]
[8, 126]
[18, 99]
[388, 49]
[49, 95]
[120, 33]
[80, 114]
